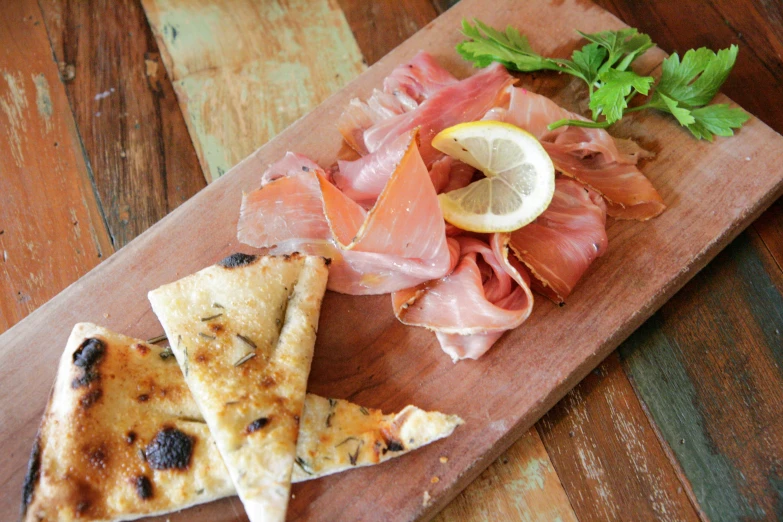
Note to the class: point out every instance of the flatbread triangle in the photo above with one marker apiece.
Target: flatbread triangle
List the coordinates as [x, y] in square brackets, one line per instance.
[243, 332]
[122, 438]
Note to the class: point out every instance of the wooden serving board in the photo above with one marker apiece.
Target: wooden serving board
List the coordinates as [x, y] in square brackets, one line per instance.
[363, 354]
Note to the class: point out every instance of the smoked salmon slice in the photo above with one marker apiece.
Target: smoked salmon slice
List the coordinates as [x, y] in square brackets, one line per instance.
[485, 295]
[400, 242]
[591, 156]
[563, 242]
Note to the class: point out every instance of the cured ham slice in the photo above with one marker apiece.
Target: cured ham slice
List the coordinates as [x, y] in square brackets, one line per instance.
[364, 179]
[400, 242]
[418, 79]
[591, 156]
[404, 89]
[291, 163]
[465, 100]
[469, 310]
[561, 243]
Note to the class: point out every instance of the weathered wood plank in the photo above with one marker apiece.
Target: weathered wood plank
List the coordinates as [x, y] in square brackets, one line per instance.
[379, 27]
[237, 93]
[142, 159]
[612, 466]
[770, 228]
[707, 365]
[520, 485]
[51, 228]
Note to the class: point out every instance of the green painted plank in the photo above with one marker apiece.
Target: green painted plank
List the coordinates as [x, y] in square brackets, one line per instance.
[244, 71]
[708, 367]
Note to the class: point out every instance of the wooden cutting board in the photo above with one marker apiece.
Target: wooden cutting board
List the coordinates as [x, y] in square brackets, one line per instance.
[363, 353]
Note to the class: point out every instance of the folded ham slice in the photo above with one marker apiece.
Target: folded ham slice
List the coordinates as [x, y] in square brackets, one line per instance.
[469, 310]
[400, 242]
[367, 127]
[562, 243]
[591, 156]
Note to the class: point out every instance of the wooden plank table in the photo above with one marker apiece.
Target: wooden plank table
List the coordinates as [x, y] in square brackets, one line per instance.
[97, 143]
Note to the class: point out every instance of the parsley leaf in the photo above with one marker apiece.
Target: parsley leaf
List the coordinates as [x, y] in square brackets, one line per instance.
[696, 80]
[624, 46]
[682, 114]
[685, 88]
[510, 48]
[611, 99]
[585, 63]
[718, 119]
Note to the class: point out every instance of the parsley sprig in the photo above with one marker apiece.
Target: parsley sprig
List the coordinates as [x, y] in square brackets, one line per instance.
[684, 89]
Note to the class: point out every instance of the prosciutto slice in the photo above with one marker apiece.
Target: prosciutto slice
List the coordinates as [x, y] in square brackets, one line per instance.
[462, 101]
[562, 243]
[469, 310]
[363, 179]
[418, 79]
[400, 242]
[591, 156]
[404, 89]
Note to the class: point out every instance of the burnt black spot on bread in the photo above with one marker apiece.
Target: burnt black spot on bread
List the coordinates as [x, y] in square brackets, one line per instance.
[143, 397]
[327, 261]
[87, 357]
[394, 445]
[33, 474]
[170, 449]
[90, 398]
[90, 352]
[257, 425]
[130, 437]
[237, 260]
[143, 487]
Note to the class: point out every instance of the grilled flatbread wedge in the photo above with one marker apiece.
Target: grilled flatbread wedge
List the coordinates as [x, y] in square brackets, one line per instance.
[129, 398]
[337, 435]
[243, 332]
[121, 437]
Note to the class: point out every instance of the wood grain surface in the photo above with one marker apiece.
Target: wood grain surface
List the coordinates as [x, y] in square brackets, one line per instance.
[608, 429]
[520, 485]
[708, 365]
[141, 158]
[224, 83]
[755, 25]
[359, 355]
[44, 171]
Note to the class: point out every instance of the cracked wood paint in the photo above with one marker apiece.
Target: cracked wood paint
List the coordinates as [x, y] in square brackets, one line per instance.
[520, 485]
[237, 93]
[51, 228]
[142, 160]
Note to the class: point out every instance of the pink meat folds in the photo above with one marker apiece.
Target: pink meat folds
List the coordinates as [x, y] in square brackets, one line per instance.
[400, 242]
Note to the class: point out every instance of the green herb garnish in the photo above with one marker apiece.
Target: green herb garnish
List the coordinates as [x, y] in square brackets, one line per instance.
[684, 89]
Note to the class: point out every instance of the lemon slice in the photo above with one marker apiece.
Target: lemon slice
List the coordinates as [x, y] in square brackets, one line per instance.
[519, 183]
